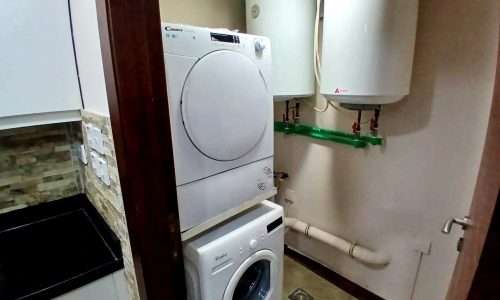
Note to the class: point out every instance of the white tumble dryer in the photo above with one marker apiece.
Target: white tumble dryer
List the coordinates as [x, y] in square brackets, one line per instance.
[241, 259]
[221, 117]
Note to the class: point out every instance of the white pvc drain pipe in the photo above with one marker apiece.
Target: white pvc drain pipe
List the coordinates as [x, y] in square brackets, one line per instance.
[351, 248]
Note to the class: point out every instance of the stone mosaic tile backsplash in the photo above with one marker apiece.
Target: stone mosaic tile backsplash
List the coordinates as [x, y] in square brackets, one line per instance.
[37, 164]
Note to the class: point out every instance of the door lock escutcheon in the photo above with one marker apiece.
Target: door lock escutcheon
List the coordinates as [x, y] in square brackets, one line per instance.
[460, 244]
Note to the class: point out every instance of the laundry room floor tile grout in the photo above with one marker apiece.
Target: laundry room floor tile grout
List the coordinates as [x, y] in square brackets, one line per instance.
[297, 276]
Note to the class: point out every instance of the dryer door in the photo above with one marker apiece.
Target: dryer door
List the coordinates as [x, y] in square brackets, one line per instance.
[225, 105]
[255, 279]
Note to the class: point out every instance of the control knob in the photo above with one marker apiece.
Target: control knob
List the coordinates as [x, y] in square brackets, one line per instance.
[253, 244]
[259, 45]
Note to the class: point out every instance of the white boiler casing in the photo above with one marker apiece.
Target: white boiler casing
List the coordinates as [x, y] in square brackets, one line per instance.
[290, 26]
[367, 50]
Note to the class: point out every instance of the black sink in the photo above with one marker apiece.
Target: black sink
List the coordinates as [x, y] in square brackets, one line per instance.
[50, 249]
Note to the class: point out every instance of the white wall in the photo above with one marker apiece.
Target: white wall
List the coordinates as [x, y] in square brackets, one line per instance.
[210, 13]
[397, 197]
[88, 55]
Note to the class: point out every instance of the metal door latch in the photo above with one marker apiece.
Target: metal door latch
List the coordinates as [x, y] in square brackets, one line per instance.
[465, 222]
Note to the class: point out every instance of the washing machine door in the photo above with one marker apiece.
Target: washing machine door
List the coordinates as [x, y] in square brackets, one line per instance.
[225, 105]
[255, 279]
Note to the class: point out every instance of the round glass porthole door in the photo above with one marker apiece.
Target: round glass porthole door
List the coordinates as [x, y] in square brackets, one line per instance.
[225, 105]
[255, 279]
[255, 283]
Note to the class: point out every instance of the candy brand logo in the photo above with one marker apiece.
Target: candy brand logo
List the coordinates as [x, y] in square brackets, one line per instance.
[168, 28]
[217, 258]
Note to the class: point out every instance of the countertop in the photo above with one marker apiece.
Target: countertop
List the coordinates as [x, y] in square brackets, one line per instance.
[52, 248]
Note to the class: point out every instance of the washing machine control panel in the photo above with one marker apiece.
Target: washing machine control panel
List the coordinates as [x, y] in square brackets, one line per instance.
[252, 241]
[248, 243]
[255, 240]
[228, 256]
[196, 42]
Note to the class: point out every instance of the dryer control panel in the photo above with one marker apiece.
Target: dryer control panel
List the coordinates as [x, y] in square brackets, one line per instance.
[197, 41]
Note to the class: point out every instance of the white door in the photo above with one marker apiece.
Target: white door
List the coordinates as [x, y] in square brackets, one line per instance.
[225, 105]
[255, 279]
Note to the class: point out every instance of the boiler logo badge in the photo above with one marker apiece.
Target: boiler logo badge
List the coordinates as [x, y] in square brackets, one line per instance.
[338, 91]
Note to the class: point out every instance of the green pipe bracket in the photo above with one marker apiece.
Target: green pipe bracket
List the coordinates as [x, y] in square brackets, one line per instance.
[328, 135]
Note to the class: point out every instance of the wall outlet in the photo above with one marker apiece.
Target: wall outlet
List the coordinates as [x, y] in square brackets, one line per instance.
[81, 153]
[88, 129]
[95, 164]
[104, 172]
[95, 139]
[100, 168]
[289, 196]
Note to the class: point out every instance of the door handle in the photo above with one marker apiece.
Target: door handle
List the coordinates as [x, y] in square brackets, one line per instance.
[465, 222]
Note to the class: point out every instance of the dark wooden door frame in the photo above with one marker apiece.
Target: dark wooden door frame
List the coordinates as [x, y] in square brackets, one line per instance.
[132, 53]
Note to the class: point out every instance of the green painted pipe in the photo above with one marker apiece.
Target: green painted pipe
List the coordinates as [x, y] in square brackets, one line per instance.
[327, 134]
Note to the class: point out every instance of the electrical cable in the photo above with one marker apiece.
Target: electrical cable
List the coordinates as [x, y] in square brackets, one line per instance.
[318, 109]
[317, 59]
[317, 62]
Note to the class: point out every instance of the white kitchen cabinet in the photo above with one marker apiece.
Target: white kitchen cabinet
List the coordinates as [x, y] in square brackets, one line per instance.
[38, 73]
[88, 55]
[111, 287]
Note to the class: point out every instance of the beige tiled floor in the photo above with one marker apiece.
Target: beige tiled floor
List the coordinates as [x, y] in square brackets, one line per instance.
[297, 276]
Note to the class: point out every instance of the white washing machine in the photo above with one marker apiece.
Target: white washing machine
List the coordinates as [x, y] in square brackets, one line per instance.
[241, 259]
[221, 117]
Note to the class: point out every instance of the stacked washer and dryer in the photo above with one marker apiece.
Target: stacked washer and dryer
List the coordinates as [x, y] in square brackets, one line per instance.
[221, 117]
